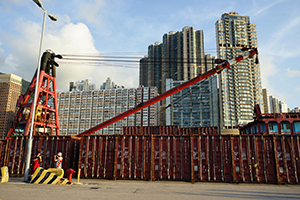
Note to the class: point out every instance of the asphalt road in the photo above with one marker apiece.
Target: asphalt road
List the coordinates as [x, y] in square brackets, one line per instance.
[132, 189]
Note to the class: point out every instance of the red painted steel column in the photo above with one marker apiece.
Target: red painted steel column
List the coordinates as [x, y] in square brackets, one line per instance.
[152, 159]
[227, 163]
[291, 127]
[193, 158]
[294, 158]
[200, 158]
[270, 159]
[264, 158]
[21, 156]
[297, 152]
[218, 158]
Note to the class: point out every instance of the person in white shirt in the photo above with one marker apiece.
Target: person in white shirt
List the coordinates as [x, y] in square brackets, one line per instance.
[58, 160]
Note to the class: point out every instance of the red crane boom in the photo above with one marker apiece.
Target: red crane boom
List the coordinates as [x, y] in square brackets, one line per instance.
[217, 69]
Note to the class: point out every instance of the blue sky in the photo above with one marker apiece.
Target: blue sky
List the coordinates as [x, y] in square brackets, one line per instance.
[127, 27]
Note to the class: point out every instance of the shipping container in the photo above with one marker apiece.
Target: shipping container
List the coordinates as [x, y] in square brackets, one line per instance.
[290, 159]
[132, 130]
[296, 151]
[245, 154]
[285, 159]
[52, 145]
[146, 158]
[16, 151]
[217, 158]
[102, 147]
[169, 130]
[259, 158]
[236, 159]
[207, 130]
[279, 160]
[206, 158]
[18, 157]
[15, 159]
[124, 157]
[269, 159]
[227, 158]
[165, 155]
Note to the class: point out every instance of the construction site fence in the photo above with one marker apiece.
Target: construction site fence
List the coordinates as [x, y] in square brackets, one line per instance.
[208, 158]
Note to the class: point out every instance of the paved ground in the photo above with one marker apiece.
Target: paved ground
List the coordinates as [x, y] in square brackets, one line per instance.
[131, 189]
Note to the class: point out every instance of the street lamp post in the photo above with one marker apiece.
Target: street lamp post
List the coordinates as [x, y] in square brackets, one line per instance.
[29, 146]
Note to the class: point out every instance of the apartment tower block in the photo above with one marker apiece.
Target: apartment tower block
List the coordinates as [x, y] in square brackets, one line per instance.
[10, 90]
[82, 110]
[240, 87]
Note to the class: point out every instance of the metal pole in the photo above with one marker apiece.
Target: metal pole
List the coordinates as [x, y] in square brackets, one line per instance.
[29, 145]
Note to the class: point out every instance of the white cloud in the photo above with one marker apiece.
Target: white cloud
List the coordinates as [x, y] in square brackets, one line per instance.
[281, 83]
[91, 12]
[2, 57]
[263, 9]
[297, 89]
[67, 38]
[280, 45]
[268, 70]
[292, 73]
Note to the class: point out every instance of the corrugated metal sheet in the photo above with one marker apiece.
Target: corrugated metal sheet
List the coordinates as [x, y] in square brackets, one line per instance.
[187, 157]
[96, 156]
[169, 130]
[197, 158]
[15, 152]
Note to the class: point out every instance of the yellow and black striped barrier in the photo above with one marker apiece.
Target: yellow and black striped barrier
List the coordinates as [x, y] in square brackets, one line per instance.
[4, 174]
[43, 176]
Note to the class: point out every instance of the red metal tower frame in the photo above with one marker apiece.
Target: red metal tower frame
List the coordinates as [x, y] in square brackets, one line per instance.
[46, 116]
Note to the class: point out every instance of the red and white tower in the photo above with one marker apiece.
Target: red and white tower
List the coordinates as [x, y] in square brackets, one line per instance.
[46, 114]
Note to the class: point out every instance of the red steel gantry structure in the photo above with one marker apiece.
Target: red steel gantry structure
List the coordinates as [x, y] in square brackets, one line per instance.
[46, 120]
[46, 115]
[223, 65]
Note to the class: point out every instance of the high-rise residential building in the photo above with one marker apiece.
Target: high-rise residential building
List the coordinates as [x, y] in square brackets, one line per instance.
[295, 110]
[148, 116]
[179, 57]
[10, 90]
[274, 105]
[266, 101]
[155, 65]
[83, 85]
[194, 106]
[109, 84]
[240, 87]
[81, 110]
[283, 107]
[143, 69]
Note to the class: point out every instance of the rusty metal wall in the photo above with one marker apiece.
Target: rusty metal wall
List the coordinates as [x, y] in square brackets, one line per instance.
[259, 159]
[167, 156]
[96, 156]
[13, 152]
[169, 130]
